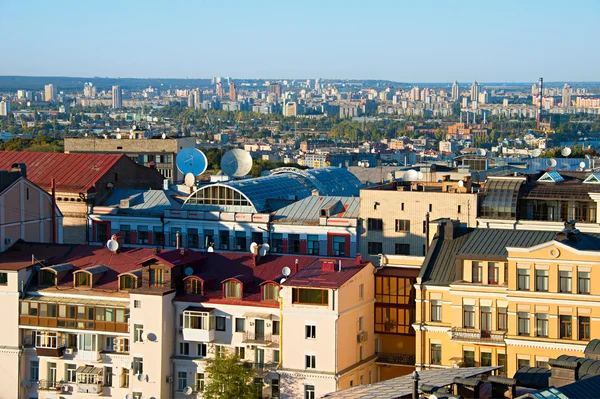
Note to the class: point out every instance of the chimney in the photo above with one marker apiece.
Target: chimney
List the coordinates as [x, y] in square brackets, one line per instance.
[358, 259]
[178, 240]
[415, 385]
[328, 265]
[339, 265]
[296, 266]
[19, 167]
[182, 252]
[165, 184]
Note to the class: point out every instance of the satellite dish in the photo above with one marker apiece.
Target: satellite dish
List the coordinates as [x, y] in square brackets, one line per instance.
[262, 251]
[191, 160]
[366, 164]
[189, 179]
[253, 247]
[536, 153]
[105, 136]
[359, 163]
[189, 271]
[164, 136]
[481, 152]
[128, 396]
[134, 127]
[151, 337]
[551, 162]
[118, 136]
[410, 175]
[211, 249]
[187, 391]
[461, 183]
[85, 135]
[112, 245]
[283, 279]
[236, 163]
[267, 247]
[140, 377]
[286, 271]
[582, 165]
[143, 336]
[421, 175]
[566, 152]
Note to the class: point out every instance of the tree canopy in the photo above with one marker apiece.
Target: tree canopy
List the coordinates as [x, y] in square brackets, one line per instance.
[229, 379]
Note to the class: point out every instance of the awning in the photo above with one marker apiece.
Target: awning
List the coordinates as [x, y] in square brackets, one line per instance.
[198, 309]
[252, 315]
[89, 370]
[76, 301]
[395, 271]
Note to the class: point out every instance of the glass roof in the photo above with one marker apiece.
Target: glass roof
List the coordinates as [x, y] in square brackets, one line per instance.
[283, 184]
[76, 301]
[500, 200]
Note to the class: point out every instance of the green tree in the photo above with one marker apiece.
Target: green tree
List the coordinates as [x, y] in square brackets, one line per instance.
[228, 379]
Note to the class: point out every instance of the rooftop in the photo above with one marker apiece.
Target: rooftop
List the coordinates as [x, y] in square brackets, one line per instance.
[314, 276]
[308, 210]
[141, 202]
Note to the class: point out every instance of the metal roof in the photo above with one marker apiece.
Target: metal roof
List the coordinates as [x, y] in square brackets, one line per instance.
[142, 202]
[401, 387]
[73, 173]
[309, 209]
[493, 242]
[439, 265]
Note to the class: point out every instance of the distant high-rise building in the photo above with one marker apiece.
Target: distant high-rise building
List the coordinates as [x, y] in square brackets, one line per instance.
[275, 88]
[4, 108]
[89, 90]
[117, 97]
[455, 90]
[534, 90]
[219, 89]
[566, 96]
[232, 91]
[49, 92]
[483, 98]
[414, 93]
[317, 85]
[290, 109]
[475, 88]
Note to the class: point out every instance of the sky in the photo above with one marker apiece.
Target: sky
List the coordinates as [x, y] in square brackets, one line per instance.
[404, 41]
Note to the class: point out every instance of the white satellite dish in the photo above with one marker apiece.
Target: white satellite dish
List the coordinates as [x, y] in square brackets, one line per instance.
[151, 337]
[105, 136]
[164, 136]
[128, 396]
[236, 163]
[551, 162]
[481, 152]
[134, 127]
[461, 183]
[118, 130]
[211, 249]
[112, 245]
[566, 152]
[366, 164]
[410, 175]
[582, 165]
[118, 136]
[359, 163]
[85, 135]
[536, 153]
[189, 271]
[282, 280]
[266, 246]
[262, 251]
[189, 179]
[143, 336]
[286, 271]
[187, 391]
[140, 377]
[421, 175]
[253, 247]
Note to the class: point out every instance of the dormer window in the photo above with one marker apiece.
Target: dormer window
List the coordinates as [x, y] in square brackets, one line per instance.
[193, 286]
[127, 282]
[157, 277]
[232, 289]
[270, 292]
[47, 278]
[83, 279]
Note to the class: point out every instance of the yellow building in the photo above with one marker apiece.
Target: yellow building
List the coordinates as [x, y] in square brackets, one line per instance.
[505, 297]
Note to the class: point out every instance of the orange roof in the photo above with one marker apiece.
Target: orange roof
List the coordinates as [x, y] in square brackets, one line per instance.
[73, 173]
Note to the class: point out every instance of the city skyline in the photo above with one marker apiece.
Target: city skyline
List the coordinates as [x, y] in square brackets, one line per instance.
[453, 41]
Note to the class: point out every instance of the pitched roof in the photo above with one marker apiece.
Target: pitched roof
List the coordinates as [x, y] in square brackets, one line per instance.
[493, 242]
[308, 210]
[22, 255]
[314, 276]
[7, 178]
[439, 264]
[142, 202]
[72, 172]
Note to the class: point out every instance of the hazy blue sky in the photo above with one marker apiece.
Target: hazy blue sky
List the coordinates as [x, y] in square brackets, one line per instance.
[420, 40]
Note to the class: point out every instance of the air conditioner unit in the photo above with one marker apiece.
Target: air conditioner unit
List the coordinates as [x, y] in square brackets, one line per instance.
[66, 388]
[169, 379]
[68, 351]
[361, 337]
[8, 240]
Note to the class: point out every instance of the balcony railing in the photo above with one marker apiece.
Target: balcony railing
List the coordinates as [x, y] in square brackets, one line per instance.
[258, 366]
[473, 335]
[47, 385]
[396, 358]
[260, 338]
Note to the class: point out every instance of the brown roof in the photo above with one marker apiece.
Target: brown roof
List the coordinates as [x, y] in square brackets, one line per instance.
[314, 276]
[22, 255]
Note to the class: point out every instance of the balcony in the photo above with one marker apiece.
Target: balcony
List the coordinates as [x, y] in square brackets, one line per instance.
[473, 335]
[47, 385]
[198, 324]
[50, 344]
[89, 380]
[264, 367]
[395, 358]
[260, 338]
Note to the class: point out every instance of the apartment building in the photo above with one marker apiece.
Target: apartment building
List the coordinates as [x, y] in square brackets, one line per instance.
[505, 297]
[142, 322]
[393, 216]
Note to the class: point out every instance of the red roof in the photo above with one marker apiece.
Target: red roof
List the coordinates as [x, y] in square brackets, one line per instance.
[315, 276]
[73, 173]
[22, 255]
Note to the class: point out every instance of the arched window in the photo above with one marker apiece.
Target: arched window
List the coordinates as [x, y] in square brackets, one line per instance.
[47, 278]
[127, 282]
[83, 279]
[270, 292]
[193, 286]
[232, 289]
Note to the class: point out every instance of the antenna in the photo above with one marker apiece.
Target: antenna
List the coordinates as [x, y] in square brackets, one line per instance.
[286, 271]
[191, 160]
[236, 163]
[187, 391]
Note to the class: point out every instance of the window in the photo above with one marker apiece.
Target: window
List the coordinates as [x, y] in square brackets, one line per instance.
[361, 291]
[402, 206]
[126, 232]
[157, 275]
[310, 361]
[3, 278]
[309, 392]
[257, 237]
[477, 270]
[199, 383]
[124, 378]
[312, 244]
[223, 239]
[565, 282]
[192, 238]
[542, 364]
[402, 225]
[240, 352]
[565, 327]
[277, 241]
[486, 359]
[310, 332]
[486, 319]
[181, 380]
[402, 249]
[293, 243]
[270, 292]
[220, 323]
[127, 282]
[469, 358]
[240, 324]
[142, 236]
[46, 278]
[493, 272]
[233, 289]
[276, 355]
[219, 351]
[502, 363]
[70, 372]
[137, 304]
[394, 290]
[202, 350]
[184, 348]
[468, 316]
[541, 280]
[502, 319]
[138, 366]
[523, 279]
[87, 342]
[209, 238]
[374, 224]
[430, 208]
[310, 296]
[584, 328]
[436, 354]
[138, 331]
[276, 326]
[541, 325]
[374, 247]
[436, 310]
[108, 374]
[83, 279]
[240, 240]
[159, 236]
[275, 388]
[458, 210]
[523, 323]
[583, 282]
[193, 286]
[339, 245]
[34, 370]
[522, 363]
